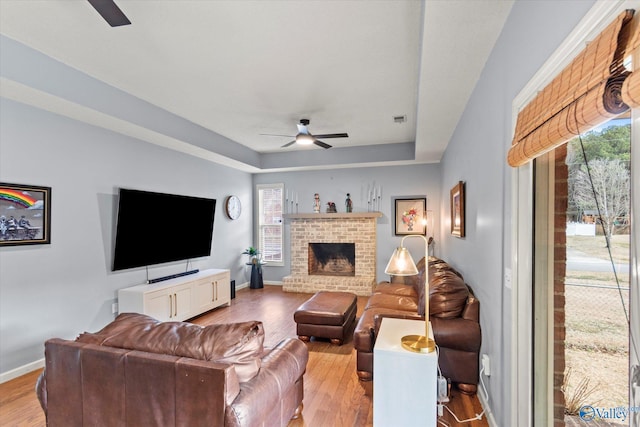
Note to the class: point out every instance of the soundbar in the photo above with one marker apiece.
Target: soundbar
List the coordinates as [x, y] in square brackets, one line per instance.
[172, 276]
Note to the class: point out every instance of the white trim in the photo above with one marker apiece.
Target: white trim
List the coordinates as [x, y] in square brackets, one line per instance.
[265, 282]
[273, 282]
[543, 294]
[488, 414]
[21, 370]
[521, 265]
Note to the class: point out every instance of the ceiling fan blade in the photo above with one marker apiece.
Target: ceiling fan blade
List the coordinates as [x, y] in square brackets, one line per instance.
[333, 135]
[275, 134]
[321, 144]
[110, 12]
[289, 143]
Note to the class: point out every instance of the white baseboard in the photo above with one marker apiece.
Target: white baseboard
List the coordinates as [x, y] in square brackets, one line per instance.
[488, 414]
[21, 370]
[266, 282]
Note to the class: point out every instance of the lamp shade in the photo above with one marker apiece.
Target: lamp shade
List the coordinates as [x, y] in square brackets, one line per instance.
[401, 263]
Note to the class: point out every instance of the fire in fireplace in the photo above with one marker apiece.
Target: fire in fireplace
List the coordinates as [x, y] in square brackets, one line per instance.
[332, 259]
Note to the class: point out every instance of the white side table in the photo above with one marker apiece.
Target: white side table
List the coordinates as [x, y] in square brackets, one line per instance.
[404, 382]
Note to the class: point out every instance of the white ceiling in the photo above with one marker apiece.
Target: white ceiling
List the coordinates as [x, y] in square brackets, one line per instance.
[246, 68]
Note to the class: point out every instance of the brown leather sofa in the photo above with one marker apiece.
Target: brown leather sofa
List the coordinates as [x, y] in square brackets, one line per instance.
[454, 315]
[138, 371]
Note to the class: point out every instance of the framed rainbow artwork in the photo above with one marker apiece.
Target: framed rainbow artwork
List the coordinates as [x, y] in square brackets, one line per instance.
[25, 214]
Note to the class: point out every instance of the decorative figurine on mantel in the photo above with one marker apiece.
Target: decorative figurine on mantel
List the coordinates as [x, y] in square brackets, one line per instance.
[348, 204]
[331, 207]
[316, 203]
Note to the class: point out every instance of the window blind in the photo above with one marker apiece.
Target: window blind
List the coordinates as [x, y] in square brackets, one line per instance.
[587, 93]
[270, 223]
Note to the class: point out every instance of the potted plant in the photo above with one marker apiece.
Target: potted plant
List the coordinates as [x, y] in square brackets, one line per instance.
[256, 267]
[254, 255]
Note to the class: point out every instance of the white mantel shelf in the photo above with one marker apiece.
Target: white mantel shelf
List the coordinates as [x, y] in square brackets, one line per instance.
[337, 215]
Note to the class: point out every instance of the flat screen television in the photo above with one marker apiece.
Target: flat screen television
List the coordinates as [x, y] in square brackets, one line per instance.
[154, 228]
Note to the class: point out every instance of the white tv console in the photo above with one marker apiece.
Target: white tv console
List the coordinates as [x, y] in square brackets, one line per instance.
[180, 298]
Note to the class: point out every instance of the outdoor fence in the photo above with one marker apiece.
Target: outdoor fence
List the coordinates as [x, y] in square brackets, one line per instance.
[596, 345]
[595, 317]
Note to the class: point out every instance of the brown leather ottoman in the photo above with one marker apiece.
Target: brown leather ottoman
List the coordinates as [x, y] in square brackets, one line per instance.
[326, 315]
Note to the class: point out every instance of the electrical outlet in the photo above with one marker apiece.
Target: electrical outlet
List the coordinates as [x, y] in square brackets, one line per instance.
[486, 365]
[114, 308]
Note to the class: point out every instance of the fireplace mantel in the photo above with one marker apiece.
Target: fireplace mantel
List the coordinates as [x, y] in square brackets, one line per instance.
[337, 215]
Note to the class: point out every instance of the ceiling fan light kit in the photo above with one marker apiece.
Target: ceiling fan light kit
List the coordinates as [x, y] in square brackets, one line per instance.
[304, 137]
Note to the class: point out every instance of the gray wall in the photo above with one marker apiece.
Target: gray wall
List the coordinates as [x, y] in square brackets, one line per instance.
[477, 155]
[67, 287]
[334, 184]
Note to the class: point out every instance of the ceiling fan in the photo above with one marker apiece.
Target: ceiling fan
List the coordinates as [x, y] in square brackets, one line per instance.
[304, 137]
[110, 12]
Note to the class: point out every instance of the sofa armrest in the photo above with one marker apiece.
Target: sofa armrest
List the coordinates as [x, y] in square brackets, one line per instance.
[457, 334]
[288, 360]
[41, 391]
[471, 310]
[282, 366]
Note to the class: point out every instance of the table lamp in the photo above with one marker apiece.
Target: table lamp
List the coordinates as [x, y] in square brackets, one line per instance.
[401, 264]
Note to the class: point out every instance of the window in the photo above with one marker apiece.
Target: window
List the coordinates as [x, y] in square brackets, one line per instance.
[270, 232]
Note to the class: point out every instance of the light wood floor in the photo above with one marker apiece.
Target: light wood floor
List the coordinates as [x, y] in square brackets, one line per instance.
[333, 395]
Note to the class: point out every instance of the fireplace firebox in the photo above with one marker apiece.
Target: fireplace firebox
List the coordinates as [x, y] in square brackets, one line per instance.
[332, 259]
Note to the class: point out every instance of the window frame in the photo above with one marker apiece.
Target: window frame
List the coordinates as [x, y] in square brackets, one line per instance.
[259, 224]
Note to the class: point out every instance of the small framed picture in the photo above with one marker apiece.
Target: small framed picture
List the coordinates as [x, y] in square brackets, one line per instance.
[411, 216]
[25, 214]
[457, 210]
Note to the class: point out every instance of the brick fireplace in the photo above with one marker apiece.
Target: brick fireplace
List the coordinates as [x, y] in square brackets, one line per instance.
[333, 229]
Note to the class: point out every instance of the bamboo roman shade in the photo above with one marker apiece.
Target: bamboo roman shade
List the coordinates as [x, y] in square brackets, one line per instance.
[631, 86]
[585, 94]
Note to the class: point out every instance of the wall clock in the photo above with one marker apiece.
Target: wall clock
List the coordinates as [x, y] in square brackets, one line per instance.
[233, 207]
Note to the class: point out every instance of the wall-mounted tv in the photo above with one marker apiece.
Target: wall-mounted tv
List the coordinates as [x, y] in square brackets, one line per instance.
[154, 228]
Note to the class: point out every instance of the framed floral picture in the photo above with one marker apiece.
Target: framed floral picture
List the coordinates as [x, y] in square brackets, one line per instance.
[457, 210]
[411, 215]
[25, 214]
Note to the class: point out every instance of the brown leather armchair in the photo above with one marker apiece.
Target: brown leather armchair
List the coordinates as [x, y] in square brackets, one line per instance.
[454, 315]
[138, 371]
